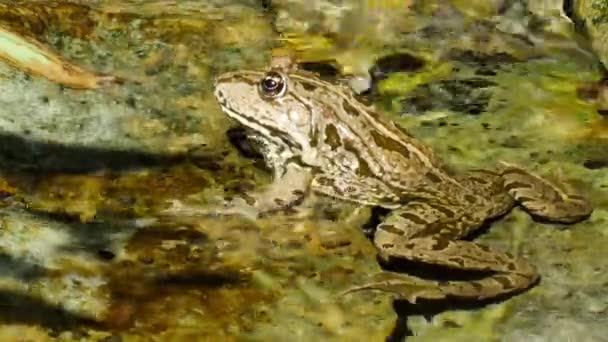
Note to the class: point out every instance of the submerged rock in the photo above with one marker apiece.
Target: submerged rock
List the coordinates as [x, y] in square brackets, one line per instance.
[45, 125]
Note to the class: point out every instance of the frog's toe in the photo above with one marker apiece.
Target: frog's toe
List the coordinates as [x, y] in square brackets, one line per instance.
[402, 286]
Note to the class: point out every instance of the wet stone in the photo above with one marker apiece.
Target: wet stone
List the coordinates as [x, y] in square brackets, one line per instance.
[467, 96]
[395, 63]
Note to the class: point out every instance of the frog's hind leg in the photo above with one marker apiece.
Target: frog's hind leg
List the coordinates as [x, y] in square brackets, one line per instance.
[544, 199]
[431, 234]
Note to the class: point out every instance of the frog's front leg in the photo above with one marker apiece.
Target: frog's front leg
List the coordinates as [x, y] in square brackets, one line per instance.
[288, 188]
[431, 233]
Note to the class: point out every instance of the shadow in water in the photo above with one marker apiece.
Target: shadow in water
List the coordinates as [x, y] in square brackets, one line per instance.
[17, 308]
[17, 152]
[430, 308]
[198, 279]
[20, 268]
[95, 239]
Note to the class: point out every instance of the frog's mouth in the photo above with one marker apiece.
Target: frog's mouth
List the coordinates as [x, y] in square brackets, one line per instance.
[264, 130]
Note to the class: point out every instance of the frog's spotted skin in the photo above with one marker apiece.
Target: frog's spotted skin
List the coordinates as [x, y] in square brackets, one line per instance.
[317, 137]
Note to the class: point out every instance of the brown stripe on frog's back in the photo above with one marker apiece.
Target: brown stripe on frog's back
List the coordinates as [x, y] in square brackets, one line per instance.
[364, 168]
[433, 177]
[390, 144]
[310, 87]
[388, 124]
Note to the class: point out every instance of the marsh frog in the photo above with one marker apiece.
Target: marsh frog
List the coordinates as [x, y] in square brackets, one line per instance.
[316, 137]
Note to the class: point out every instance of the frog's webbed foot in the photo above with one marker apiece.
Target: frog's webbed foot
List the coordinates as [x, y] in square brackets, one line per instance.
[182, 212]
[544, 199]
[429, 233]
[411, 289]
[402, 286]
[503, 274]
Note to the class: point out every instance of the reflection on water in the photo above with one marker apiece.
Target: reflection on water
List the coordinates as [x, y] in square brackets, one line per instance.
[85, 173]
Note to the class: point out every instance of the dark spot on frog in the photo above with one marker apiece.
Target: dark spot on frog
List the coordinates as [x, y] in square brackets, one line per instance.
[350, 189]
[332, 138]
[350, 110]
[280, 202]
[363, 169]
[413, 218]
[440, 244]
[308, 86]
[445, 210]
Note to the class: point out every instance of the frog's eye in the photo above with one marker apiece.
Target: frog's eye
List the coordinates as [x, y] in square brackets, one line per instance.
[273, 85]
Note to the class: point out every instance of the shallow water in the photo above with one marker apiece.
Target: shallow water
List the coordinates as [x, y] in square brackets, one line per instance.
[82, 171]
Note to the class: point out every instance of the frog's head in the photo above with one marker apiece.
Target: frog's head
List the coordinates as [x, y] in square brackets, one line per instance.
[276, 105]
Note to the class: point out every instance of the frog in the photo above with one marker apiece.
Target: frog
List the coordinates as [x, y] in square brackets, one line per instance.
[318, 138]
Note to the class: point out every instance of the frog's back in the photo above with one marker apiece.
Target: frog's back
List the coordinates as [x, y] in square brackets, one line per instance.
[349, 132]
